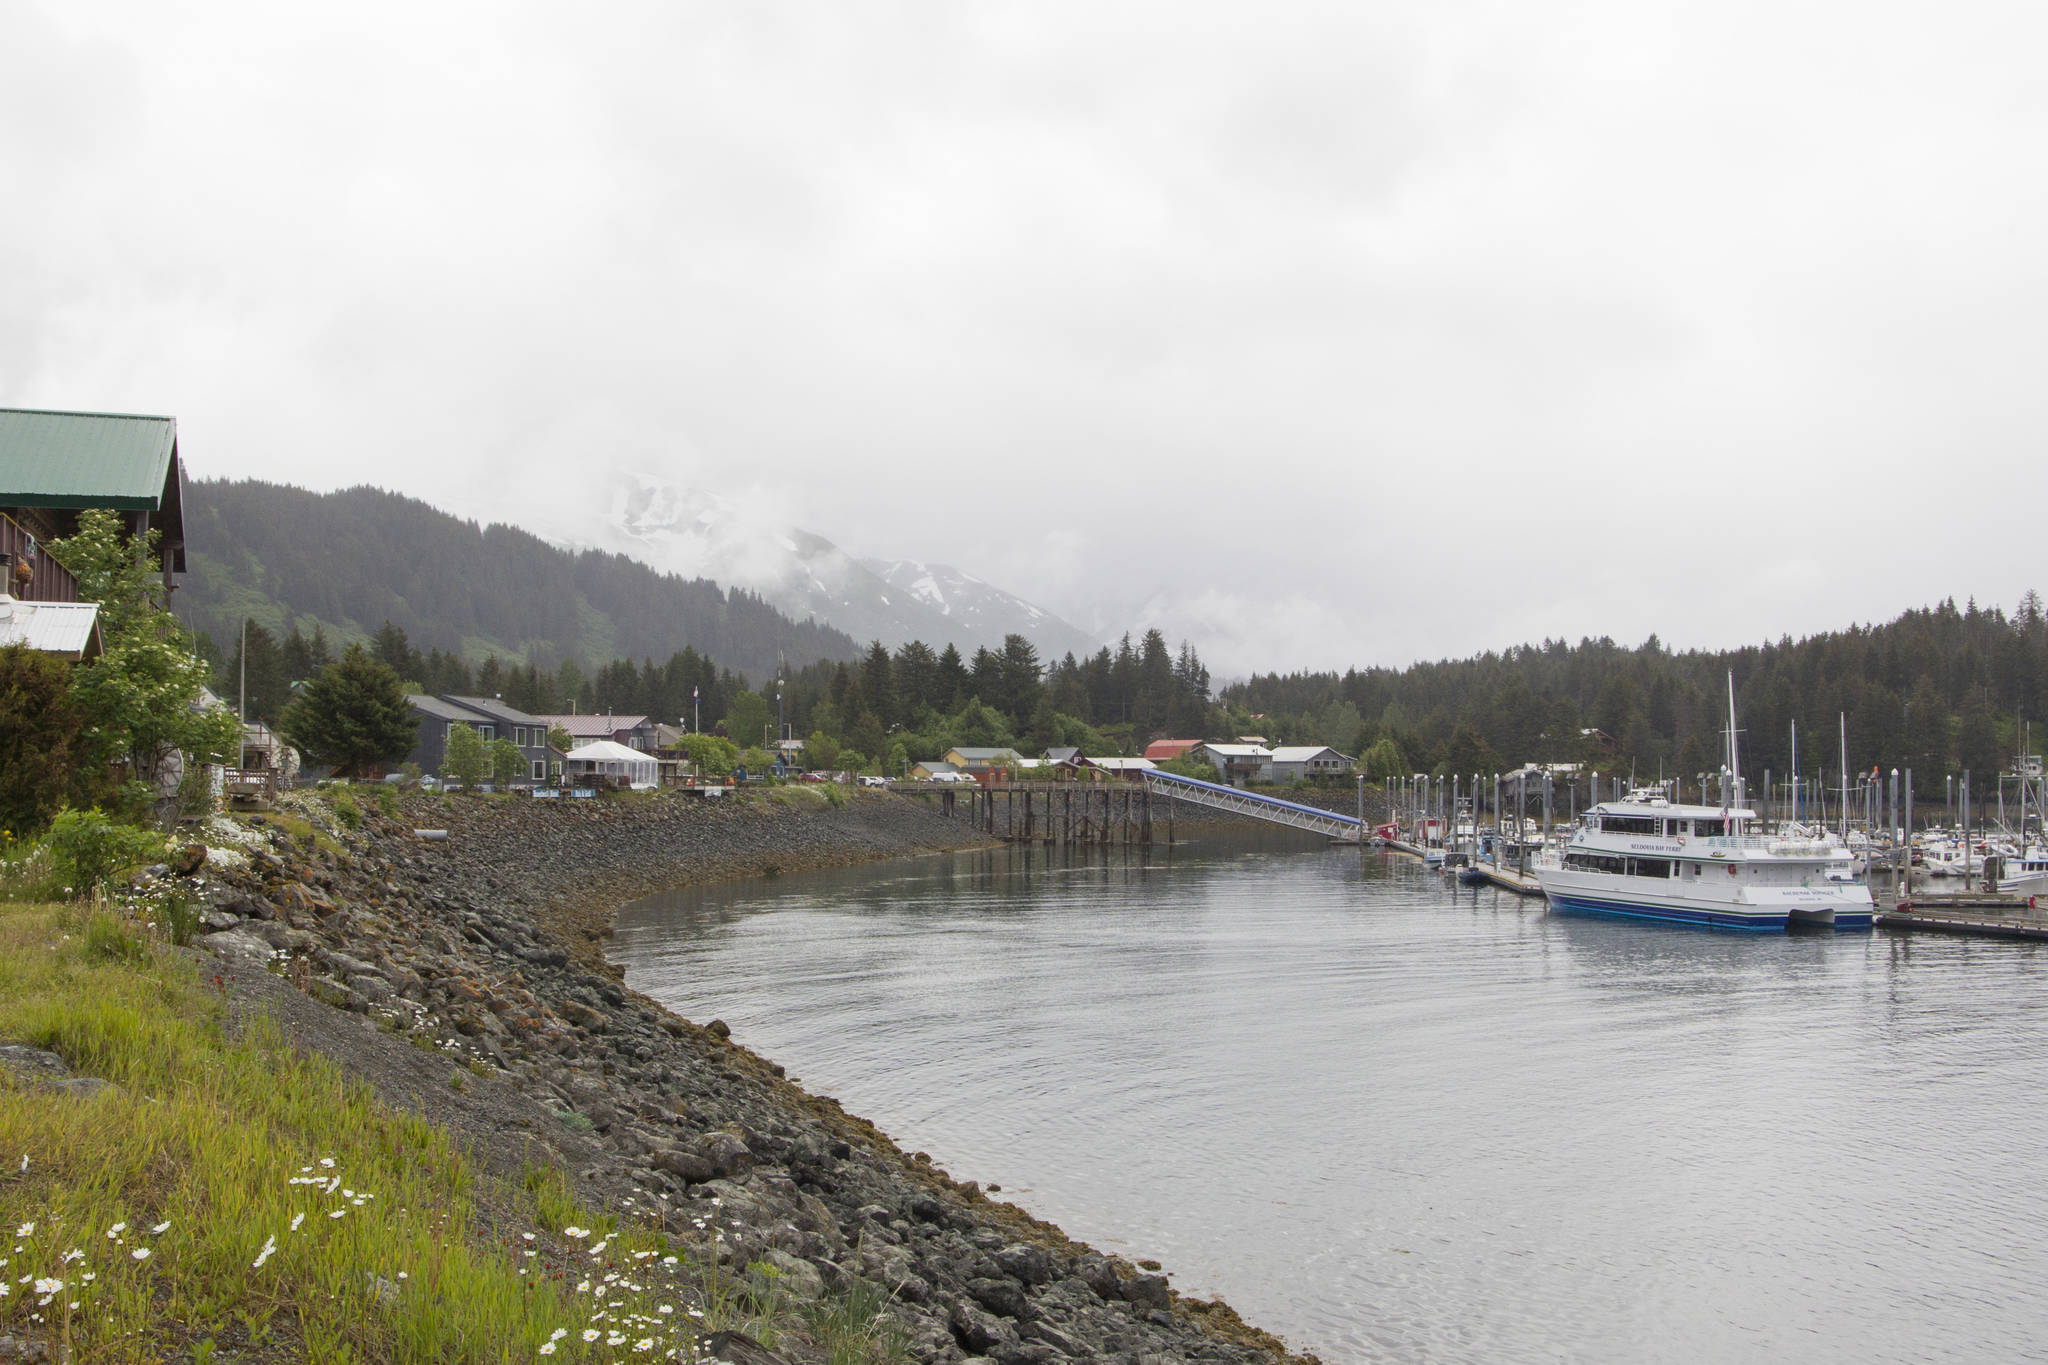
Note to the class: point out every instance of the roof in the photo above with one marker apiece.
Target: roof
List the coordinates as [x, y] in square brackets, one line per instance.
[608, 751]
[1064, 753]
[86, 459]
[1115, 764]
[935, 765]
[1160, 749]
[440, 709]
[68, 628]
[984, 755]
[495, 709]
[1237, 750]
[1302, 753]
[590, 724]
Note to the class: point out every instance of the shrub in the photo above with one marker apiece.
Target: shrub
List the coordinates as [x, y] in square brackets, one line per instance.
[347, 811]
[39, 737]
[91, 848]
[387, 802]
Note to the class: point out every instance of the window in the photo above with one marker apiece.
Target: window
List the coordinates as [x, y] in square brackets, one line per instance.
[1709, 829]
[539, 770]
[1631, 824]
[1595, 862]
[1649, 867]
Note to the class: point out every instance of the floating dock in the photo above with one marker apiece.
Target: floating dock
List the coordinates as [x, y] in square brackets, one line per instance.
[1984, 915]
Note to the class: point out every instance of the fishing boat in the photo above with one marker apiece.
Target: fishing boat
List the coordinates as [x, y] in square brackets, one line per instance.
[1647, 857]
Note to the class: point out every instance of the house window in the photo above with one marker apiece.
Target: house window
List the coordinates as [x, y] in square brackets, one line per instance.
[539, 770]
[489, 732]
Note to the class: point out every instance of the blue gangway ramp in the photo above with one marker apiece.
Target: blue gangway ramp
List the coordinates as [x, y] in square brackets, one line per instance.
[1271, 809]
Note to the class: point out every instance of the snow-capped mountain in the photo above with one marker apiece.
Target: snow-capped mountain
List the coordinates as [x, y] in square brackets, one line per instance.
[740, 542]
[979, 610]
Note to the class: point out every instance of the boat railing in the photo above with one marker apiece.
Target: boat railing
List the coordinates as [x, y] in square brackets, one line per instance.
[1771, 844]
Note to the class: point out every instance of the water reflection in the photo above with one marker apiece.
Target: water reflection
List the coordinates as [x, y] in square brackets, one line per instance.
[1392, 1117]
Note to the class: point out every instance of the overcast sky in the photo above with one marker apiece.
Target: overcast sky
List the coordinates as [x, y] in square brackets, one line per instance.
[1321, 334]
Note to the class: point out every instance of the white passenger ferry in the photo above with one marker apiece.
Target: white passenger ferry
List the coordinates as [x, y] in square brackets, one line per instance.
[1646, 858]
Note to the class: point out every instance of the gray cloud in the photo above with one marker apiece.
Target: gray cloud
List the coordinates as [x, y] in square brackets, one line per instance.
[1326, 335]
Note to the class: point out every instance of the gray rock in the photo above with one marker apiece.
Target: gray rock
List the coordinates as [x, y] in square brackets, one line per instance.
[1147, 1291]
[999, 1296]
[244, 945]
[32, 1063]
[799, 1277]
[977, 1330]
[84, 1087]
[1022, 1261]
[1099, 1275]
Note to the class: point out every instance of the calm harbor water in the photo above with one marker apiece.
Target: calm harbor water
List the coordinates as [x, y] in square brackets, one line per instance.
[1390, 1119]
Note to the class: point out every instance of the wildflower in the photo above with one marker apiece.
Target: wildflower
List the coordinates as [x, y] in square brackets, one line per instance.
[547, 1348]
[327, 1161]
[666, 1309]
[578, 1233]
[116, 1230]
[49, 1286]
[337, 1213]
[161, 1228]
[140, 1253]
[269, 1246]
[296, 1220]
[75, 1254]
[590, 1334]
[558, 1334]
[616, 1339]
[668, 1260]
[527, 1235]
[25, 1230]
[644, 1344]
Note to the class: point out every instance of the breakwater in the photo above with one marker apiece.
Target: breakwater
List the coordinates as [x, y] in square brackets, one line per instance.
[486, 946]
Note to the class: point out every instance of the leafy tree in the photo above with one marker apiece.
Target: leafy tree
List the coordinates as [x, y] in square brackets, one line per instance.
[464, 758]
[508, 764]
[142, 698]
[353, 716]
[748, 717]
[898, 762]
[39, 738]
[1383, 760]
[710, 755]
[559, 739]
[821, 750]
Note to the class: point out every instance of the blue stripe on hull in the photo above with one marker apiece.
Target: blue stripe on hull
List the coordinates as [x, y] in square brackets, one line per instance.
[1707, 919]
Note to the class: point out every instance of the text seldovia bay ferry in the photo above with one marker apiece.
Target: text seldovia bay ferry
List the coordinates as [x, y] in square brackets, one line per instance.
[1646, 858]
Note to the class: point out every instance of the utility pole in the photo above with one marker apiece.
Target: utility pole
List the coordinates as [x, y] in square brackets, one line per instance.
[242, 701]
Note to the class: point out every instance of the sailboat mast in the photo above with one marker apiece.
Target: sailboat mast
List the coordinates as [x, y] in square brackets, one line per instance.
[1734, 750]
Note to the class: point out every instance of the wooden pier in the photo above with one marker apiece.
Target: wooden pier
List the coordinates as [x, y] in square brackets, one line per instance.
[1987, 916]
[1054, 813]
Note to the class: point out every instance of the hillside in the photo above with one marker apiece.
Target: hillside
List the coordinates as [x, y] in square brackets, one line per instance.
[352, 559]
[1939, 689]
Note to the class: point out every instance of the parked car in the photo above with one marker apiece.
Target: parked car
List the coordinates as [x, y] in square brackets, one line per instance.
[874, 781]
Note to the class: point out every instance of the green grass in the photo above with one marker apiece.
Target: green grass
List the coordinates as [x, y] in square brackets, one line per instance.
[154, 1203]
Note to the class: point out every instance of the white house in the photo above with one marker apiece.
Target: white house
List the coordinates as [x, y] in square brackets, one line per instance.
[1293, 762]
[607, 761]
[1238, 764]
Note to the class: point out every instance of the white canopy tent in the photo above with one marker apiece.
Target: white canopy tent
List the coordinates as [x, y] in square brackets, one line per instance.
[608, 759]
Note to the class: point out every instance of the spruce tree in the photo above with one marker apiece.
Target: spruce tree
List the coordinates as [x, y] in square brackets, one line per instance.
[354, 716]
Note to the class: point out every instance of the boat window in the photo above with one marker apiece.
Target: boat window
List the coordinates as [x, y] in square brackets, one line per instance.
[1709, 829]
[1595, 862]
[1631, 824]
[1649, 867]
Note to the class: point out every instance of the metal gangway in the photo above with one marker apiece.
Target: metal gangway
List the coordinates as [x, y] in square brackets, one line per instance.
[1216, 796]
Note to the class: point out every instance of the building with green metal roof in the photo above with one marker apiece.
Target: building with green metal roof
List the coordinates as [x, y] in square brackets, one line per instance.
[54, 465]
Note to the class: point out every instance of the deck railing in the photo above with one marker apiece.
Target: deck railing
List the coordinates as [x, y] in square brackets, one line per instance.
[47, 580]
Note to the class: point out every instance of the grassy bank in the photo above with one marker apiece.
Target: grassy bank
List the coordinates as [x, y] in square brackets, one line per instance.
[230, 1197]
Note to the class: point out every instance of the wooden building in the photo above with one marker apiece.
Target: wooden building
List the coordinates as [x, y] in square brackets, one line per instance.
[55, 465]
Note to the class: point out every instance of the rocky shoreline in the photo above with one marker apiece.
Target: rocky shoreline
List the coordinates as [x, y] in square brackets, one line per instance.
[402, 956]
